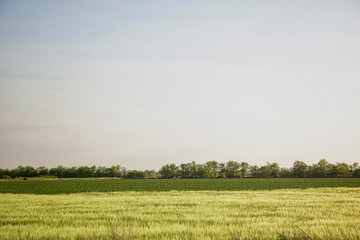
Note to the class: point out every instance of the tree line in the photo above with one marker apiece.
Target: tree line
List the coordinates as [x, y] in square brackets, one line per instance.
[210, 169]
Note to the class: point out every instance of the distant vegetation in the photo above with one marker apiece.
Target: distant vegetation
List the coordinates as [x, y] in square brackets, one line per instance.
[211, 169]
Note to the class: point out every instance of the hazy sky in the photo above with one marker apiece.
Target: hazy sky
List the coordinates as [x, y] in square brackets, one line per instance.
[144, 83]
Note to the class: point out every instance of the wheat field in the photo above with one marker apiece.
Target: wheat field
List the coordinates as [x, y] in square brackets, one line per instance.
[325, 213]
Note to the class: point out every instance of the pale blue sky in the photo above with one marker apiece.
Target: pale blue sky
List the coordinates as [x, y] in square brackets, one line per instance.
[144, 83]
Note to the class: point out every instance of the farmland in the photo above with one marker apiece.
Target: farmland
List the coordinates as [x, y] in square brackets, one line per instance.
[327, 213]
[180, 209]
[150, 185]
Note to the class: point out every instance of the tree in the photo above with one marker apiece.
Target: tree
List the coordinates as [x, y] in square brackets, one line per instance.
[83, 172]
[343, 170]
[299, 169]
[93, 170]
[5, 174]
[193, 168]
[352, 167]
[100, 171]
[20, 171]
[321, 169]
[110, 172]
[212, 168]
[274, 170]
[231, 169]
[43, 171]
[150, 173]
[222, 170]
[119, 171]
[254, 170]
[58, 172]
[71, 172]
[244, 168]
[355, 170]
[265, 171]
[30, 172]
[165, 171]
[135, 174]
[201, 170]
[185, 170]
[339, 170]
[174, 170]
[285, 173]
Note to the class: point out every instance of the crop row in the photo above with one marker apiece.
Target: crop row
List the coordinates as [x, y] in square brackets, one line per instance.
[154, 185]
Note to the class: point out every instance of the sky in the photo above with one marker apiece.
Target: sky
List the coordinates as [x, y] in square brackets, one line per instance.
[146, 83]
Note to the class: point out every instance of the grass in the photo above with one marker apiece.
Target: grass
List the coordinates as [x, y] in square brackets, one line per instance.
[322, 213]
[149, 185]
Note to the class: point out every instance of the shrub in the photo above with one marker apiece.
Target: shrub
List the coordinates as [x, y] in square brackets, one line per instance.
[5, 177]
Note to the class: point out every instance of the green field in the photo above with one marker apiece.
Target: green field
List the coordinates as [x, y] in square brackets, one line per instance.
[181, 209]
[150, 185]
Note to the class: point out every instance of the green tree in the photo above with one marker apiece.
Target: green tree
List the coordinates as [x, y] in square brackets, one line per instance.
[355, 170]
[58, 172]
[6, 174]
[212, 168]
[43, 171]
[343, 170]
[244, 166]
[222, 170]
[135, 174]
[150, 173]
[193, 168]
[71, 172]
[185, 170]
[275, 170]
[299, 169]
[265, 171]
[201, 170]
[285, 173]
[20, 171]
[231, 169]
[254, 170]
[339, 170]
[165, 171]
[100, 171]
[174, 170]
[321, 169]
[83, 172]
